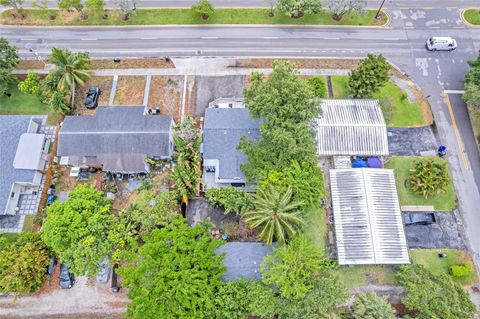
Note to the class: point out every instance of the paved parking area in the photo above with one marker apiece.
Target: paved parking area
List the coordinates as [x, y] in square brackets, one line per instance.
[411, 141]
[446, 233]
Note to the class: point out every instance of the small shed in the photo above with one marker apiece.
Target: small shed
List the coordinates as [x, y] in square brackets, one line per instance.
[367, 217]
[351, 127]
[243, 259]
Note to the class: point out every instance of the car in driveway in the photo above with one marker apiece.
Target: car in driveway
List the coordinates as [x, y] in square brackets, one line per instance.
[93, 94]
[441, 44]
[419, 219]
[66, 278]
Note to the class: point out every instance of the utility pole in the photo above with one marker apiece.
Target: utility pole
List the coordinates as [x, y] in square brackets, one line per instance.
[377, 16]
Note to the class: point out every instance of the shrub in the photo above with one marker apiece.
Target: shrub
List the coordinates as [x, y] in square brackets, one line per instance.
[429, 177]
[31, 84]
[319, 86]
[230, 198]
[369, 77]
[461, 270]
[204, 8]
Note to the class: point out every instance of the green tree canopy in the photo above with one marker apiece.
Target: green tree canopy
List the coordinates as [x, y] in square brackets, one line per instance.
[23, 264]
[372, 306]
[242, 298]
[305, 179]
[14, 4]
[369, 77]
[472, 84]
[8, 61]
[70, 5]
[71, 68]
[298, 8]
[434, 296]
[175, 274]
[187, 174]
[95, 7]
[204, 8]
[58, 103]
[341, 7]
[278, 216]
[78, 229]
[230, 198]
[288, 105]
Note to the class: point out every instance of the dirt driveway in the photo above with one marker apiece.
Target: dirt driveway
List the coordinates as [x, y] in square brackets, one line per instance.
[85, 299]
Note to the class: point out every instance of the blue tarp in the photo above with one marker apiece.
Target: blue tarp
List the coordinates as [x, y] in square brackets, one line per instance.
[359, 163]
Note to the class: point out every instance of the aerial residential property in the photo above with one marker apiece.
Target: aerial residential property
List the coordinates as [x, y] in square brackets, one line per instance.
[240, 159]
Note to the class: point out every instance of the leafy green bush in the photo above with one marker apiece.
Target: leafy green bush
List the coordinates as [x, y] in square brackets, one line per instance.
[461, 270]
[230, 198]
[429, 177]
[319, 86]
[31, 84]
[369, 77]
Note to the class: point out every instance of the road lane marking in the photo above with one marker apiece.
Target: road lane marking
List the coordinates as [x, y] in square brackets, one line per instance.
[331, 38]
[457, 133]
[91, 39]
[434, 27]
[454, 91]
[209, 38]
[28, 39]
[270, 38]
[149, 38]
[409, 27]
[459, 27]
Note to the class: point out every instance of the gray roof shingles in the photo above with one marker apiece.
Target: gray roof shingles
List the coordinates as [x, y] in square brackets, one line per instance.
[243, 259]
[223, 129]
[11, 128]
[115, 130]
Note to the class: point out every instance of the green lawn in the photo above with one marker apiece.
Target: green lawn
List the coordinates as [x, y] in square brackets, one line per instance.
[20, 103]
[472, 16]
[442, 202]
[397, 110]
[363, 275]
[187, 16]
[28, 224]
[316, 228]
[339, 86]
[429, 259]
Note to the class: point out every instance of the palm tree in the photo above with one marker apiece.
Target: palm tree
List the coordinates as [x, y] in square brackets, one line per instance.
[72, 68]
[276, 213]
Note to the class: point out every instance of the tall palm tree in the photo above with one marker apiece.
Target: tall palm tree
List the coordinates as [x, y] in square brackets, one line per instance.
[276, 213]
[72, 69]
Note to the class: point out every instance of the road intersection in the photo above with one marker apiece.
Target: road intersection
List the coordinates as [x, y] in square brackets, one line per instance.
[402, 42]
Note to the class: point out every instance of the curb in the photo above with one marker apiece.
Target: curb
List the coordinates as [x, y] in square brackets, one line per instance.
[140, 26]
[468, 24]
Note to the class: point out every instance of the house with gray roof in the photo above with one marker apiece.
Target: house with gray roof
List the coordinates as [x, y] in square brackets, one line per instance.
[243, 259]
[23, 152]
[223, 129]
[117, 139]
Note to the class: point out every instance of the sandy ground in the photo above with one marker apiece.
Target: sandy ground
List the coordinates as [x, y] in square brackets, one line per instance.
[85, 299]
[105, 85]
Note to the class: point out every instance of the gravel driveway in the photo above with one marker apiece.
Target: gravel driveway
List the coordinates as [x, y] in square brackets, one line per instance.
[411, 141]
[446, 233]
[85, 299]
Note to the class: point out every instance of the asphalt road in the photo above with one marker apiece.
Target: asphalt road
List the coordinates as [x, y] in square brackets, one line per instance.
[402, 43]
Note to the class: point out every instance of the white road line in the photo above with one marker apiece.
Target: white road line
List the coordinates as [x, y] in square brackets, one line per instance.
[270, 38]
[209, 38]
[331, 38]
[149, 38]
[28, 39]
[91, 39]
[454, 91]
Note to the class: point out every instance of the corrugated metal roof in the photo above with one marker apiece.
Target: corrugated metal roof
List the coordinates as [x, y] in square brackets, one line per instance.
[368, 221]
[351, 127]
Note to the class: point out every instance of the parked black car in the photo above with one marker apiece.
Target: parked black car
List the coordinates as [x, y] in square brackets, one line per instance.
[91, 101]
[419, 218]
[66, 278]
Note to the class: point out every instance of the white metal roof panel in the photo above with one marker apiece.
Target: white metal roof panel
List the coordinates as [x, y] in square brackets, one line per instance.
[351, 127]
[29, 151]
[368, 221]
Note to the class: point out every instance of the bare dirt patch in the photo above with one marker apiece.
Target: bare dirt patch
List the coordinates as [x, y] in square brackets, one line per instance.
[166, 94]
[130, 90]
[30, 64]
[424, 105]
[132, 64]
[65, 182]
[105, 85]
[300, 63]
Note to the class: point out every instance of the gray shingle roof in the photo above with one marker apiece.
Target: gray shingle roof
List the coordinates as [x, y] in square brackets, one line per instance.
[243, 259]
[115, 130]
[223, 129]
[351, 127]
[11, 128]
[367, 217]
